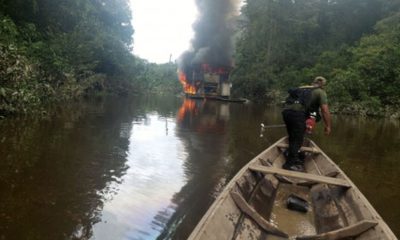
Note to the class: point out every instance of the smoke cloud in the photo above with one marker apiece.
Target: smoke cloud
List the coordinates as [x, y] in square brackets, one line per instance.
[214, 28]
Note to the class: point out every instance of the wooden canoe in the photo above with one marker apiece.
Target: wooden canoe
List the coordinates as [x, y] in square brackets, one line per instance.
[253, 205]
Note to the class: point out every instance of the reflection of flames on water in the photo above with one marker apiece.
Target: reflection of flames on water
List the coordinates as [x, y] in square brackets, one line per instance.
[203, 116]
[188, 108]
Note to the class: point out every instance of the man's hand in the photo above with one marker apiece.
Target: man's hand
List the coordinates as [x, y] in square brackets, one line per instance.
[326, 115]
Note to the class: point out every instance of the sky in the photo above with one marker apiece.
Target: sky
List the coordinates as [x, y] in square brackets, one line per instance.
[162, 28]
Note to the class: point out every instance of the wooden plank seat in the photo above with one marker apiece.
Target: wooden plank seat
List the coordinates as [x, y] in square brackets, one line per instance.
[345, 232]
[300, 175]
[302, 183]
[303, 149]
[311, 183]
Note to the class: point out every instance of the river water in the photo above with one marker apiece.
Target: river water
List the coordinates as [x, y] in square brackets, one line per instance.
[148, 168]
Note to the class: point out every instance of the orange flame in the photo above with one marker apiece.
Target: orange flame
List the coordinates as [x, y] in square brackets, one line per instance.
[188, 107]
[187, 88]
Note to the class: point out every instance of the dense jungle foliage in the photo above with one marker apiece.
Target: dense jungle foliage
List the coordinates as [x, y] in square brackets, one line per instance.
[52, 50]
[57, 50]
[355, 44]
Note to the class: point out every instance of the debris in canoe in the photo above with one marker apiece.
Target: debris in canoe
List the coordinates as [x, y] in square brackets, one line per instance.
[297, 203]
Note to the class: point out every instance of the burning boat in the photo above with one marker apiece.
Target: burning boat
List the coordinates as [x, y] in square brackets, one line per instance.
[204, 70]
[205, 81]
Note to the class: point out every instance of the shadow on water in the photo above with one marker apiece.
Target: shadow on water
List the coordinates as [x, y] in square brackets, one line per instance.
[55, 173]
[149, 168]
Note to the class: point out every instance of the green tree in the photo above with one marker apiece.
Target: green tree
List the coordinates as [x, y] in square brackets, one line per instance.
[286, 43]
[73, 48]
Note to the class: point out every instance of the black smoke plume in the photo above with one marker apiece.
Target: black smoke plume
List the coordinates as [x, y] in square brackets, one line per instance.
[213, 31]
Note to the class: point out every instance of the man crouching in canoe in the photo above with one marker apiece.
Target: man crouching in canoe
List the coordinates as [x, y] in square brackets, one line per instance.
[302, 106]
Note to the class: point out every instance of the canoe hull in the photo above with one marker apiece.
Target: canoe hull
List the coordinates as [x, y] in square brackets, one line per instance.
[253, 204]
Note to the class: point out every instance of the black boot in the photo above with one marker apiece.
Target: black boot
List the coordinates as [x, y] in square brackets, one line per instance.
[298, 166]
[287, 165]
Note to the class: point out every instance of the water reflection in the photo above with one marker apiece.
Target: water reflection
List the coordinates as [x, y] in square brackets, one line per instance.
[55, 173]
[148, 168]
[203, 116]
[167, 160]
[202, 128]
[154, 175]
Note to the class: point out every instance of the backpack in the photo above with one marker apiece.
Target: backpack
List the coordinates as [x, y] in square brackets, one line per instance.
[300, 95]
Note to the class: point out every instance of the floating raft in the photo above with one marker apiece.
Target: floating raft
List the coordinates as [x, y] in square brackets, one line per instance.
[217, 98]
[253, 204]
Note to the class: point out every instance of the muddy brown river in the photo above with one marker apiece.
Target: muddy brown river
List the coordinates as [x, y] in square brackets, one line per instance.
[148, 168]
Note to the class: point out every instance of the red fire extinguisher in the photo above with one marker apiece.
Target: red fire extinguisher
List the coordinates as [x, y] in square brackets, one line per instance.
[310, 123]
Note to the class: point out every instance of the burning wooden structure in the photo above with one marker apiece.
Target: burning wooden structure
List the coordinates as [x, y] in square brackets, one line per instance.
[205, 81]
[205, 68]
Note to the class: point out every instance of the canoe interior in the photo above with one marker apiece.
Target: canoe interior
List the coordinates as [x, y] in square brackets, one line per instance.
[332, 207]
